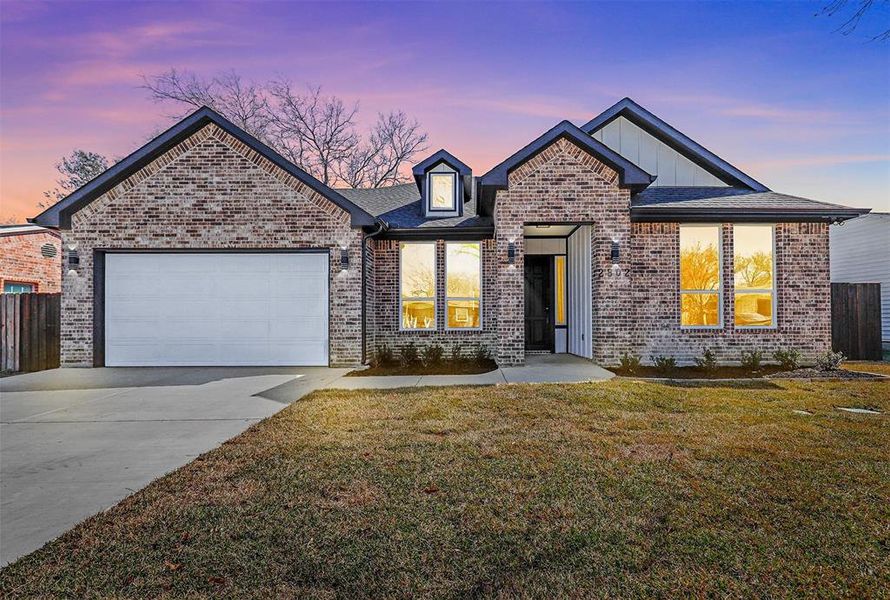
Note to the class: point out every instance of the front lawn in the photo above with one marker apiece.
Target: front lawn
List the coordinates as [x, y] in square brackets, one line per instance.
[614, 489]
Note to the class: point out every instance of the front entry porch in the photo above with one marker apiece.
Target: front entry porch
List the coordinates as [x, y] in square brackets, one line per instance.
[557, 289]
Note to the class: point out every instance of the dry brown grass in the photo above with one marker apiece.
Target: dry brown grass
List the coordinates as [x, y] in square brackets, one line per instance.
[868, 366]
[621, 488]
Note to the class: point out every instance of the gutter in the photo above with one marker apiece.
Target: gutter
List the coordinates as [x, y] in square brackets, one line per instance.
[381, 227]
[656, 215]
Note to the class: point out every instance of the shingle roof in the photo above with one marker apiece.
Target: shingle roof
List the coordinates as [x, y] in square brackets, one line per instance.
[733, 202]
[400, 207]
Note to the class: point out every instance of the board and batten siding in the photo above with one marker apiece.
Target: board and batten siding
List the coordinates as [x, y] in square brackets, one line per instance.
[654, 156]
[860, 253]
[580, 301]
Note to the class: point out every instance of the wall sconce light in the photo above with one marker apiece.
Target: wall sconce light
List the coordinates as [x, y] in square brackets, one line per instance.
[511, 253]
[73, 260]
[344, 259]
[616, 253]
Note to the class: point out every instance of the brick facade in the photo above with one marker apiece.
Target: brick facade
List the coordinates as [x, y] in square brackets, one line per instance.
[213, 192]
[22, 261]
[638, 309]
[803, 318]
[383, 304]
[562, 184]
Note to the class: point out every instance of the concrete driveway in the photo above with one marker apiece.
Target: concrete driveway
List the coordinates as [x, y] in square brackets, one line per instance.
[74, 442]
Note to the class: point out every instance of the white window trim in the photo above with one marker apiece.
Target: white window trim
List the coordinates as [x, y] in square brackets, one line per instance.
[719, 289]
[447, 297]
[773, 291]
[402, 299]
[429, 192]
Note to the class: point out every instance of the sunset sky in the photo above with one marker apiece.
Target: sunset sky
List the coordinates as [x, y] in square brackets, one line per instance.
[768, 86]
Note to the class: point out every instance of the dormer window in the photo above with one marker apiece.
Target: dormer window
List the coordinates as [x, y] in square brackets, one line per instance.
[442, 192]
[445, 184]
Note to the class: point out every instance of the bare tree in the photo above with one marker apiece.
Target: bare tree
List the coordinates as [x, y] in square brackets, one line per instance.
[860, 9]
[393, 141]
[316, 132]
[243, 103]
[76, 169]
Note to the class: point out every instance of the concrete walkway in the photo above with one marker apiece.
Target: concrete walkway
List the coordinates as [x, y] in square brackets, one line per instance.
[74, 442]
[544, 368]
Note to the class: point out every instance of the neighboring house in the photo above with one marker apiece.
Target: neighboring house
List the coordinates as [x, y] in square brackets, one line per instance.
[623, 235]
[30, 259]
[860, 253]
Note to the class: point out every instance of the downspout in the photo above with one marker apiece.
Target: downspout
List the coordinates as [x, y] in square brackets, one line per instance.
[381, 227]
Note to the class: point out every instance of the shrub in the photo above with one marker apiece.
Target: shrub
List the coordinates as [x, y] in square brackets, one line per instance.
[408, 355]
[629, 362]
[707, 362]
[457, 354]
[482, 355]
[383, 357]
[751, 360]
[787, 359]
[830, 361]
[432, 355]
[664, 364]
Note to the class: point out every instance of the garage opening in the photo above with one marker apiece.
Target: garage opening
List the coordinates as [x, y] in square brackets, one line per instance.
[216, 309]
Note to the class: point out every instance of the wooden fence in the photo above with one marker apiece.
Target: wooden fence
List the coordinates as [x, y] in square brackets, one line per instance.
[29, 331]
[856, 320]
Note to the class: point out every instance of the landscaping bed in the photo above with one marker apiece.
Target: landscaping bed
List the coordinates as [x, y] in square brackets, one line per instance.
[649, 372]
[616, 489]
[813, 373]
[442, 368]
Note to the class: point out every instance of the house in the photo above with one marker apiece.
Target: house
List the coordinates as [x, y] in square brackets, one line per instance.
[30, 259]
[206, 247]
[860, 253]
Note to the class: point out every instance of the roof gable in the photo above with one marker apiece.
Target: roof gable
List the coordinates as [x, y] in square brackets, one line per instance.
[677, 140]
[629, 175]
[59, 215]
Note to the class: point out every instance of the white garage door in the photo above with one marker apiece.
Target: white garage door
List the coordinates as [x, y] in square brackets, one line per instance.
[202, 309]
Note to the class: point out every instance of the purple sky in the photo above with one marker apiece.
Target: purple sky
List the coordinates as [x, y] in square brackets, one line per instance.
[767, 86]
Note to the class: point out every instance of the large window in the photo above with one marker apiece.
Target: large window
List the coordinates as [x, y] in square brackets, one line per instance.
[463, 270]
[700, 292]
[754, 271]
[417, 285]
[442, 191]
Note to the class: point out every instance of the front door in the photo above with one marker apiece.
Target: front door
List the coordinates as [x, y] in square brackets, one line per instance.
[538, 295]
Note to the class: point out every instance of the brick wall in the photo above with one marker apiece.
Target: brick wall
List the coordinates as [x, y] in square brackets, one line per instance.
[383, 304]
[563, 183]
[21, 261]
[638, 309]
[211, 191]
[803, 318]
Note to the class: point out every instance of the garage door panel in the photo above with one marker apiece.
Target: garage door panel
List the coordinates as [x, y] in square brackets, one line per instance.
[182, 308]
[303, 263]
[238, 308]
[246, 263]
[282, 308]
[297, 286]
[216, 309]
[133, 286]
[186, 263]
[232, 331]
[304, 329]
